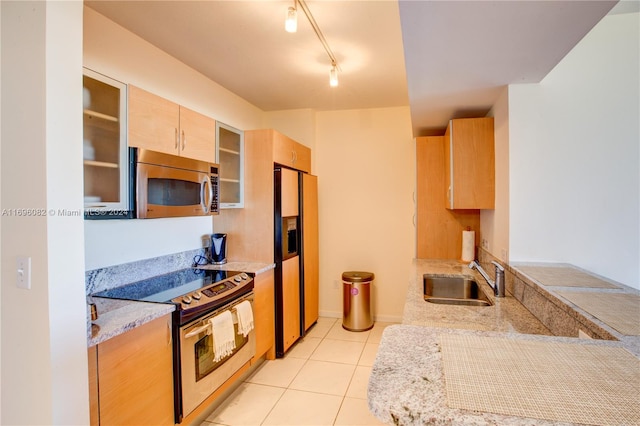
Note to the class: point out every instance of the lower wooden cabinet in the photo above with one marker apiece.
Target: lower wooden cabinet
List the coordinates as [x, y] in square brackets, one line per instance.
[94, 409]
[264, 314]
[134, 375]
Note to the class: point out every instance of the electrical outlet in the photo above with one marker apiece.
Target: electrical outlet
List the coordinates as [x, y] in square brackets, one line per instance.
[23, 272]
[485, 244]
[503, 254]
[206, 241]
[335, 285]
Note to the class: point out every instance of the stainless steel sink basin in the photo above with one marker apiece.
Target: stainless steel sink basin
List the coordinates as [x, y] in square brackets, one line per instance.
[454, 291]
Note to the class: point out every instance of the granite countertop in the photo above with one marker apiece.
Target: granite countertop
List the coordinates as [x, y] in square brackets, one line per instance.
[406, 385]
[506, 314]
[119, 316]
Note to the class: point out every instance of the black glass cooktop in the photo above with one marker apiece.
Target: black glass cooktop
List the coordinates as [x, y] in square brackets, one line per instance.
[164, 288]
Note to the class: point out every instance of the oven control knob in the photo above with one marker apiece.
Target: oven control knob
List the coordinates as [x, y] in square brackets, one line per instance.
[237, 278]
[197, 295]
[244, 276]
[186, 300]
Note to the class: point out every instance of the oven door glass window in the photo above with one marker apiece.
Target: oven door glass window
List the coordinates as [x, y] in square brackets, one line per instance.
[204, 354]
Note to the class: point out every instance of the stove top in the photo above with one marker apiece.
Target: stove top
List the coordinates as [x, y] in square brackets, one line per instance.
[193, 291]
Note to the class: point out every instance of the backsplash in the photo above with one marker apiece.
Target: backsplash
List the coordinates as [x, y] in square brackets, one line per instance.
[118, 275]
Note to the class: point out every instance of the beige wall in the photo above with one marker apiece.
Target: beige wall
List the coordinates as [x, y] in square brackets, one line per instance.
[494, 224]
[366, 166]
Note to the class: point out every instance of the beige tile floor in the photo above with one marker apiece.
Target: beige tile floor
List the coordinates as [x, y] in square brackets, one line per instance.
[322, 380]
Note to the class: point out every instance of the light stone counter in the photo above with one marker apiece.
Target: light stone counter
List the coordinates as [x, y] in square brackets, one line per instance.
[406, 385]
[506, 315]
[119, 316]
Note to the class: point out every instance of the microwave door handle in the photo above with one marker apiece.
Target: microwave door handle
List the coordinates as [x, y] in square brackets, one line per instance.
[205, 187]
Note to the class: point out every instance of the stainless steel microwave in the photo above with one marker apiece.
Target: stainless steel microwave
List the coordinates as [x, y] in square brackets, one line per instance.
[172, 186]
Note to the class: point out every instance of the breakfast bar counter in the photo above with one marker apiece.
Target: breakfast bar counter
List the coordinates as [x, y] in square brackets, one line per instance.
[444, 364]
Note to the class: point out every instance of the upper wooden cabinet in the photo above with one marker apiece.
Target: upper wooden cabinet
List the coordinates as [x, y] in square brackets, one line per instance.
[470, 163]
[158, 124]
[105, 156]
[290, 153]
[231, 160]
[438, 230]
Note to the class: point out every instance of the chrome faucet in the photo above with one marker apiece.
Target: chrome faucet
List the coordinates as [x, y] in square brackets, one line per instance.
[498, 285]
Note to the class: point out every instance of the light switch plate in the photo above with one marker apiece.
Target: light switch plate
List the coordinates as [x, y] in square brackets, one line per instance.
[23, 272]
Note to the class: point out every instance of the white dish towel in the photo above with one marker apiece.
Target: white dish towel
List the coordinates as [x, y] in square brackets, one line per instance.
[224, 340]
[245, 317]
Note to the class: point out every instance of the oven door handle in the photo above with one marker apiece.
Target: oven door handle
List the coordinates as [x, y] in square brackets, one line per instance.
[206, 327]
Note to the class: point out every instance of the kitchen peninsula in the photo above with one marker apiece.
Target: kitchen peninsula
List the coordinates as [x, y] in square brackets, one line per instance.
[423, 363]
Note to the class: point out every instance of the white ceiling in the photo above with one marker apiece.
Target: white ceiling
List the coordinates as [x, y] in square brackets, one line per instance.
[455, 57]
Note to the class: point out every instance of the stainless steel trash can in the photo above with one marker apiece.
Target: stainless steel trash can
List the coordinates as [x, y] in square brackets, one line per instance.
[356, 300]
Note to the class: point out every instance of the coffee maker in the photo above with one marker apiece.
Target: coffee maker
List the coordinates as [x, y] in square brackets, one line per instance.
[218, 252]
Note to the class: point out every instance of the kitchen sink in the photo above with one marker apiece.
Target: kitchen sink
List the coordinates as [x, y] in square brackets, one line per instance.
[454, 291]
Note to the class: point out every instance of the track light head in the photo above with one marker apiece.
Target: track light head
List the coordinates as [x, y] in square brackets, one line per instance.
[333, 76]
[291, 22]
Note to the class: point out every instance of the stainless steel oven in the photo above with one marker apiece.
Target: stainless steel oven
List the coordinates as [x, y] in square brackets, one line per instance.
[201, 374]
[198, 295]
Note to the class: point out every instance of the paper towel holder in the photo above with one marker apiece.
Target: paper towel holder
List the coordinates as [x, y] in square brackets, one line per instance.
[468, 245]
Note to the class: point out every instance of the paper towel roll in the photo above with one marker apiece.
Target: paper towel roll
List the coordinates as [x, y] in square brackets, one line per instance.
[468, 246]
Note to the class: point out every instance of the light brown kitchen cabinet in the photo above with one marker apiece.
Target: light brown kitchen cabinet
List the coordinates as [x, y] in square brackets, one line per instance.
[135, 376]
[310, 258]
[105, 154]
[94, 409]
[231, 159]
[290, 153]
[263, 309]
[251, 229]
[291, 301]
[289, 192]
[470, 163]
[438, 230]
[160, 125]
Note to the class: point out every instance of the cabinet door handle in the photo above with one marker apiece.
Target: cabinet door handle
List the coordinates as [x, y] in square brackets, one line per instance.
[168, 333]
[184, 140]
[176, 138]
[293, 157]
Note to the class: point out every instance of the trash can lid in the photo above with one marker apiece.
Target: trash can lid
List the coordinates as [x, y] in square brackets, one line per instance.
[357, 276]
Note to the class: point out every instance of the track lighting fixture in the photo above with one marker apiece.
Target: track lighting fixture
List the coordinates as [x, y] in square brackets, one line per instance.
[333, 75]
[291, 23]
[291, 26]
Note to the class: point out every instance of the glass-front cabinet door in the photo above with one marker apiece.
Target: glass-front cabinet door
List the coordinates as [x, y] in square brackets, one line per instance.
[107, 192]
[231, 159]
